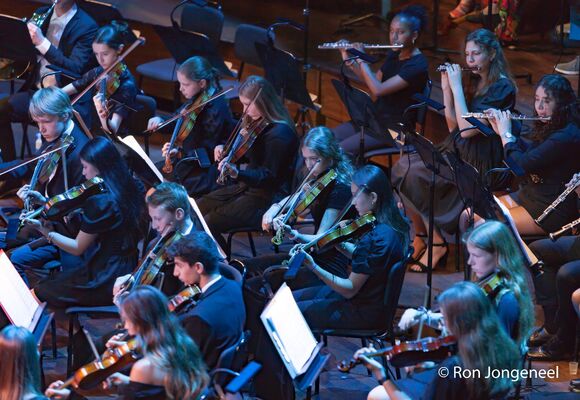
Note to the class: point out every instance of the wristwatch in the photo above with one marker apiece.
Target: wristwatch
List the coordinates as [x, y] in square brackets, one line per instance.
[508, 136]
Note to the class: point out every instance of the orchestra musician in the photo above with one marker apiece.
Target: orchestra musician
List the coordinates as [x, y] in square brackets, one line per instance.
[216, 319]
[205, 128]
[481, 345]
[270, 162]
[110, 229]
[549, 158]
[498, 268]
[171, 365]
[403, 74]
[50, 108]
[359, 297]
[64, 40]
[491, 87]
[322, 155]
[118, 91]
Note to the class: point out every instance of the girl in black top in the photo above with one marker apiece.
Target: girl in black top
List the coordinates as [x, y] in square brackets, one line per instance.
[270, 159]
[110, 230]
[20, 372]
[482, 345]
[549, 158]
[113, 98]
[403, 74]
[492, 87]
[207, 128]
[171, 367]
[357, 300]
[321, 154]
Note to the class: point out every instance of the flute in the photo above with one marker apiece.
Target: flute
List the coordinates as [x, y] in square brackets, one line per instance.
[570, 187]
[443, 68]
[347, 45]
[564, 229]
[520, 117]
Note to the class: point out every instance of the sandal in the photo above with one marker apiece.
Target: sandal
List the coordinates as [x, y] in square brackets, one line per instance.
[438, 264]
[422, 251]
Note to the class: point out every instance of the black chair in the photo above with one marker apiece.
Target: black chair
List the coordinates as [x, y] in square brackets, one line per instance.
[206, 20]
[137, 122]
[231, 361]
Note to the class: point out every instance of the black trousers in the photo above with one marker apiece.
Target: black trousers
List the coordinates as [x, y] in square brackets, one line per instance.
[555, 286]
[12, 109]
[232, 207]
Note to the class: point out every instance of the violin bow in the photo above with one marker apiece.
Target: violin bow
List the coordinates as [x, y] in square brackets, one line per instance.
[33, 159]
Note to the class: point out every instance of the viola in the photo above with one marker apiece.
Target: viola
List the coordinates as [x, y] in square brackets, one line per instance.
[61, 204]
[188, 294]
[315, 189]
[338, 234]
[409, 353]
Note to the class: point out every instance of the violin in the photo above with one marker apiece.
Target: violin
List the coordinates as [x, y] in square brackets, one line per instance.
[148, 268]
[299, 205]
[409, 353]
[188, 294]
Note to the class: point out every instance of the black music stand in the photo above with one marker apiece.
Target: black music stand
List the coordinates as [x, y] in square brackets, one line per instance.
[15, 44]
[362, 112]
[285, 74]
[183, 44]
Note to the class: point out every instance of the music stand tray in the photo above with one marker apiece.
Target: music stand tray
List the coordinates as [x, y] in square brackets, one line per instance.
[285, 74]
[183, 44]
[15, 43]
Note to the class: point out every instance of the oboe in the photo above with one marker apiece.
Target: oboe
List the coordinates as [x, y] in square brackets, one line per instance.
[443, 68]
[347, 45]
[564, 229]
[520, 117]
[570, 187]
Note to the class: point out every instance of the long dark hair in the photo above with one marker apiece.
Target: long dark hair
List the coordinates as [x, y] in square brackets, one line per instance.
[481, 340]
[321, 140]
[372, 179]
[165, 343]
[102, 154]
[566, 111]
[268, 102]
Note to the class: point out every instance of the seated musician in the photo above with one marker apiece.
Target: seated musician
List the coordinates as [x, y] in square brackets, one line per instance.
[359, 297]
[109, 233]
[498, 267]
[216, 320]
[322, 156]
[116, 94]
[554, 290]
[65, 41]
[272, 143]
[171, 366]
[50, 108]
[549, 158]
[491, 87]
[204, 128]
[403, 74]
[481, 343]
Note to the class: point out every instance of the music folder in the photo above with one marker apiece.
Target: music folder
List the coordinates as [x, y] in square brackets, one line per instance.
[290, 333]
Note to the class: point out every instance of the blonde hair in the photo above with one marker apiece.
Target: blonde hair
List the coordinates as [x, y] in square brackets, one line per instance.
[51, 101]
[268, 103]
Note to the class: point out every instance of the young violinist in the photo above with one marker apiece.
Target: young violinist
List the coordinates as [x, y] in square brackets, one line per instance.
[482, 346]
[270, 144]
[115, 95]
[403, 74]
[215, 320]
[203, 128]
[548, 157]
[110, 230]
[325, 194]
[359, 297]
[20, 372]
[491, 86]
[63, 40]
[50, 108]
[171, 366]
[498, 270]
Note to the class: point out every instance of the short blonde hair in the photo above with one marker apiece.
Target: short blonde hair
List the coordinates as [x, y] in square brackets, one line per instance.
[51, 101]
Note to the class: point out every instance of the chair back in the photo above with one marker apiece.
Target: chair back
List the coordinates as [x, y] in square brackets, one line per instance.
[393, 289]
[206, 20]
[138, 120]
[245, 43]
[422, 112]
[230, 272]
[233, 358]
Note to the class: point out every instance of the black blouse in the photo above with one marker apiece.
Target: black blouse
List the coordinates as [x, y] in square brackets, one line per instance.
[141, 391]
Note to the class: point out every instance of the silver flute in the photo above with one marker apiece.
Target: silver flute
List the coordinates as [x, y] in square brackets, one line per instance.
[564, 229]
[347, 45]
[443, 68]
[570, 187]
[521, 117]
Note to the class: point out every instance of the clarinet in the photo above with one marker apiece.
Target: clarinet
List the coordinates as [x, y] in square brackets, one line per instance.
[564, 229]
[571, 186]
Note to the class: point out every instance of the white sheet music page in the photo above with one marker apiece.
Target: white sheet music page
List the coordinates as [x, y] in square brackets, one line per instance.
[15, 297]
[289, 331]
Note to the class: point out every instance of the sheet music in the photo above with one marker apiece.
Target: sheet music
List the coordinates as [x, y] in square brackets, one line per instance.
[289, 331]
[15, 297]
[197, 212]
[135, 146]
